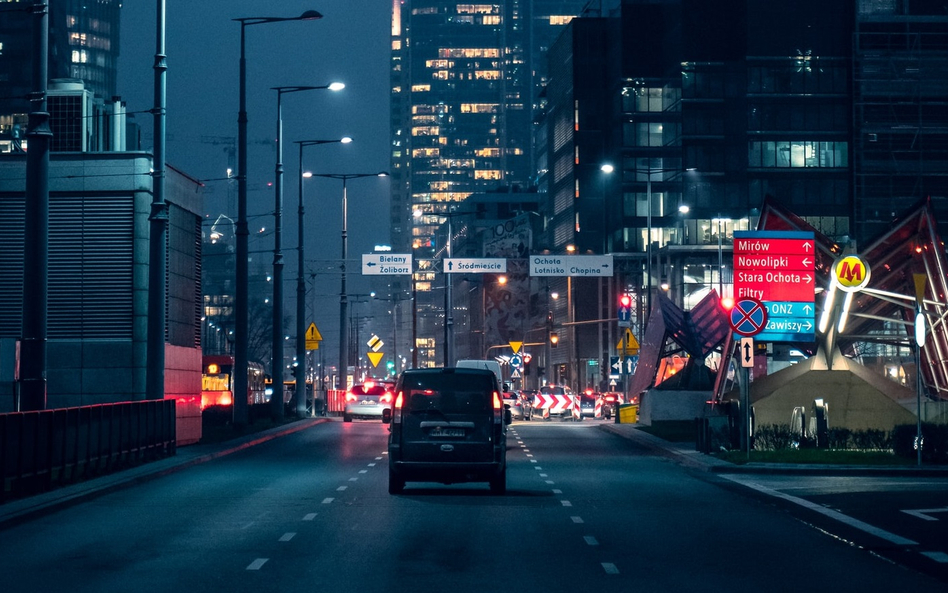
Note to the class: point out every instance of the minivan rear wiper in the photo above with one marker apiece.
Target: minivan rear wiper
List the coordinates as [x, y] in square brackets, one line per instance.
[427, 411]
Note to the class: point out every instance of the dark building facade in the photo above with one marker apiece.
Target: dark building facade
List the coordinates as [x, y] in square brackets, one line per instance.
[83, 45]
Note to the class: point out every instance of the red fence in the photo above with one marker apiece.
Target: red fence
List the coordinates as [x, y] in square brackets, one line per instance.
[44, 449]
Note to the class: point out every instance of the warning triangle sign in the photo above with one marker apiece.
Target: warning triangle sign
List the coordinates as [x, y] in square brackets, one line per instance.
[312, 333]
[375, 358]
[515, 346]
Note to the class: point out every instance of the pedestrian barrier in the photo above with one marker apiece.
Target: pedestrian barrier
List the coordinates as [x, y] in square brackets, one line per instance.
[553, 404]
[43, 449]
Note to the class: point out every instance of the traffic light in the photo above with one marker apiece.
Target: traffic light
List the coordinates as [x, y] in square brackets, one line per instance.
[554, 340]
[526, 363]
[625, 301]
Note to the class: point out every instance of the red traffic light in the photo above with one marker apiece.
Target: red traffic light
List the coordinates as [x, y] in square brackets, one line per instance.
[727, 303]
[527, 358]
[625, 301]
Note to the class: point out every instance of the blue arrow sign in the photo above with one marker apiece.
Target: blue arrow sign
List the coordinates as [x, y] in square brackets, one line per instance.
[629, 364]
[615, 367]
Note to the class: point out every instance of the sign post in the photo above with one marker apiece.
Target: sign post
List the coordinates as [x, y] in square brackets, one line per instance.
[748, 319]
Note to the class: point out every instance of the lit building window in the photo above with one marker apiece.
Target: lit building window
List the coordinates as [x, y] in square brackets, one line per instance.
[488, 174]
[560, 19]
[479, 107]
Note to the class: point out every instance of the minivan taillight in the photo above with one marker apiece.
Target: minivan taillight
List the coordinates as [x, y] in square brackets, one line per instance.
[397, 408]
[498, 409]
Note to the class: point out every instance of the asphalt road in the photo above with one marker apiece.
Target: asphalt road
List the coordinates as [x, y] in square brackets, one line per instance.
[585, 511]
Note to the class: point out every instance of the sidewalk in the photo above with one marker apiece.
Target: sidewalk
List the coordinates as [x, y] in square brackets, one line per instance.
[38, 504]
[686, 455]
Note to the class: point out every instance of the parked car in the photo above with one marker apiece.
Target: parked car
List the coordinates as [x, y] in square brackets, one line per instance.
[448, 425]
[367, 400]
[526, 397]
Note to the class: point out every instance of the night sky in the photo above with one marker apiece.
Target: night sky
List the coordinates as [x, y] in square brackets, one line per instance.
[350, 44]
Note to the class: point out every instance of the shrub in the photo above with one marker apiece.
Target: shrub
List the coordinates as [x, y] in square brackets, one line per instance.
[772, 437]
[934, 446]
[871, 440]
[840, 438]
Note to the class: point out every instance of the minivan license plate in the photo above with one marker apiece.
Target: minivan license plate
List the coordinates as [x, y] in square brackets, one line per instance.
[441, 431]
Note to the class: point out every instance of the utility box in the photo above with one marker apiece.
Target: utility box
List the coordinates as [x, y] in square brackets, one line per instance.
[628, 413]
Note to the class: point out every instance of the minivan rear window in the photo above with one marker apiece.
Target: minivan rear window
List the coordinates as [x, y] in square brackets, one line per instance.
[449, 393]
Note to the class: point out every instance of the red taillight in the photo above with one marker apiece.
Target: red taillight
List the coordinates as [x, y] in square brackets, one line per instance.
[498, 403]
[368, 385]
[350, 397]
[609, 398]
[386, 397]
[399, 401]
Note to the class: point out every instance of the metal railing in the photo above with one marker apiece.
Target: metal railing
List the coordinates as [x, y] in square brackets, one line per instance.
[45, 449]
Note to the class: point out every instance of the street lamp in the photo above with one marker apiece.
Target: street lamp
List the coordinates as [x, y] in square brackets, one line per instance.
[343, 302]
[276, 365]
[301, 286]
[241, 315]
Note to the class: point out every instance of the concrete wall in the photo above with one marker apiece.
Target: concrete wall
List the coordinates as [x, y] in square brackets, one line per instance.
[659, 405]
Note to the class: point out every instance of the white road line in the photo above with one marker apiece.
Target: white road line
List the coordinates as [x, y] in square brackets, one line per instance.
[353, 479]
[557, 491]
[550, 482]
[287, 536]
[576, 519]
[256, 564]
[528, 455]
[845, 519]
[378, 458]
[590, 540]
[543, 475]
[533, 461]
[341, 488]
[937, 556]
[309, 516]
[925, 514]
[610, 568]
[371, 465]
[566, 503]
[363, 471]
[328, 500]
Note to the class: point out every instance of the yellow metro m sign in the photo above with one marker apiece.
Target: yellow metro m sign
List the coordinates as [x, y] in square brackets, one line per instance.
[851, 273]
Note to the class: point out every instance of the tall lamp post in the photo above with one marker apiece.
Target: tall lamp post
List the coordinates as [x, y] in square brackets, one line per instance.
[276, 365]
[343, 299]
[36, 243]
[300, 374]
[241, 311]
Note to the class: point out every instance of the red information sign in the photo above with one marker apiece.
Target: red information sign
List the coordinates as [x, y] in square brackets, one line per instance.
[774, 266]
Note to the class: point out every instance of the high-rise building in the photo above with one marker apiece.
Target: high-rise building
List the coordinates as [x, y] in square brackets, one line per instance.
[465, 81]
[83, 45]
[900, 114]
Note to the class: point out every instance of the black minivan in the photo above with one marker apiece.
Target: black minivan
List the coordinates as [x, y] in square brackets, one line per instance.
[448, 425]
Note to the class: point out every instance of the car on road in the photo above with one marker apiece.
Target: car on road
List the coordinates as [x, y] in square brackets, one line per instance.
[367, 400]
[448, 425]
[521, 406]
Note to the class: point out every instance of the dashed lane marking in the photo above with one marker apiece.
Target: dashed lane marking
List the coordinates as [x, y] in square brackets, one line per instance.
[576, 519]
[590, 540]
[937, 556]
[557, 491]
[256, 564]
[566, 503]
[610, 568]
[309, 516]
[328, 500]
[341, 488]
[287, 536]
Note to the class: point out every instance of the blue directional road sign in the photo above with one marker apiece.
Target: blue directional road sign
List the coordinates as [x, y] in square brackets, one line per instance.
[516, 361]
[788, 321]
[615, 367]
[629, 364]
[748, 317]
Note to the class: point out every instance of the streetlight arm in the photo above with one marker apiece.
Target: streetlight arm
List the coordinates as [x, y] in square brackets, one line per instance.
[309, 15]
